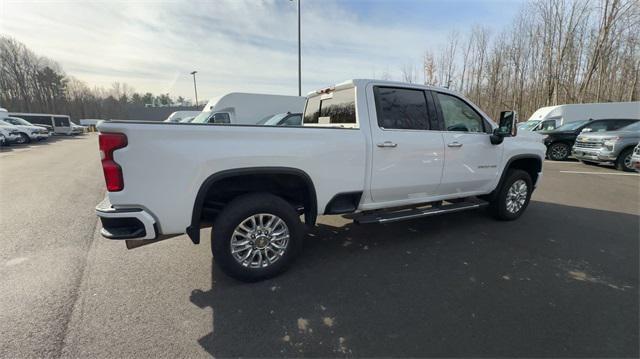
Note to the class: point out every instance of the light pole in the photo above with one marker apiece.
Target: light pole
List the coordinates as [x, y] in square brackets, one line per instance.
[195, 89]
[299, 55]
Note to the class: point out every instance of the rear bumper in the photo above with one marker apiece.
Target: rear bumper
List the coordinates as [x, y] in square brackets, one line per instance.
[125, 223]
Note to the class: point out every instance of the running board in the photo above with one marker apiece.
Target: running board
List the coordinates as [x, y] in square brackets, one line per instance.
[433, 210]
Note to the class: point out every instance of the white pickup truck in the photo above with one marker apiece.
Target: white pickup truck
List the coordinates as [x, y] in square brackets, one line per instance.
[377, 151]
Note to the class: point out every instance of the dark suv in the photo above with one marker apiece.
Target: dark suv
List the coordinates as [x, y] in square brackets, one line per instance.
[560, 140]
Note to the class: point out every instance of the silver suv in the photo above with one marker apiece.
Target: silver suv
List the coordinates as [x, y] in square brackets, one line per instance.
[608, 147]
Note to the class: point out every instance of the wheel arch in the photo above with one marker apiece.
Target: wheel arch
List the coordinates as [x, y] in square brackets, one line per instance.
[310, 199]
[532, 164]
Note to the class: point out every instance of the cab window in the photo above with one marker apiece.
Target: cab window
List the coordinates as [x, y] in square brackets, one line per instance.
[458, 115]
[399, 108]
[333, 109]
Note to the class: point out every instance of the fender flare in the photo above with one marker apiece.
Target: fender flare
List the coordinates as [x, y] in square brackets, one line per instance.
[508, 164]
[311, 208]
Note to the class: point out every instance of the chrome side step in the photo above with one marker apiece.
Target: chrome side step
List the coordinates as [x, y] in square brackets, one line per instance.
[402, 214]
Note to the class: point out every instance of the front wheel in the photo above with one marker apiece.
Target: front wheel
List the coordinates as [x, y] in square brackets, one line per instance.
[257, 236]
[22, 139]
[623, 162]
[513, 196]
[558, 151]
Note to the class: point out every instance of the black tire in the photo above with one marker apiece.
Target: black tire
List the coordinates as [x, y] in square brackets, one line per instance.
[623, 159]
[558, 151]
[589, 163]
[237, 211]
[23, 139]
[498, 204]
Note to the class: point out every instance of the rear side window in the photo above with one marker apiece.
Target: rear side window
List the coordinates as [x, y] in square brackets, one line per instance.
[404, 109]
[334, 108]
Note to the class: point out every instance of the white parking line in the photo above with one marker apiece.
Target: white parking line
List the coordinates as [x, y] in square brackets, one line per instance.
[601, 173]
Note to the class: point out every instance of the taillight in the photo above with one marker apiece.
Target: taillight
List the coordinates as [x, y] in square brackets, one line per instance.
[110, 142]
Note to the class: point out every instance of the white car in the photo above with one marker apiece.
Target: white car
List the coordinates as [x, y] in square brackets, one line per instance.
[28, 132]
[179, 116]
[377, 151]
[9, 134]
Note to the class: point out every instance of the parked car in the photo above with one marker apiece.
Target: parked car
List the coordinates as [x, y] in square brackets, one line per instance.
[27, 133]
[379, 151]
[552, 117]
[282, 119]
[178, 116]
[608, 147]
[247, 108]
[77, 129]
[635, 158]
[16, 121]
[61, 124]
[9, 133]
[560, 141]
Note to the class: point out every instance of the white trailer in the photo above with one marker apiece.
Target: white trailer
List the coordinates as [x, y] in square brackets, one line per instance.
[248, 108]
[548, 118]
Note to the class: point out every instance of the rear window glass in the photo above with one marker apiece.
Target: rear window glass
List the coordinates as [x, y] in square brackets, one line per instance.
[334, 108]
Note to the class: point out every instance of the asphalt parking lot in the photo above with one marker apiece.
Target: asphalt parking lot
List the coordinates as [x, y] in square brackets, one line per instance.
[561, 281]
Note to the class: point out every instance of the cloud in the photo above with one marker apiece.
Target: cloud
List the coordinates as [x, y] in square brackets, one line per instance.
[235, 45]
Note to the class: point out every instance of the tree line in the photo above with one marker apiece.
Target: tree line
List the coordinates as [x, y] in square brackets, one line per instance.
[554, 52]
[32, 83]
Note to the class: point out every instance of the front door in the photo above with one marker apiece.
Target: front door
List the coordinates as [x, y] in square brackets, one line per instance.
[408, 157]
[471, 161]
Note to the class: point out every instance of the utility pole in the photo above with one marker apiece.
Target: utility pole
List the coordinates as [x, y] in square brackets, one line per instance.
[299, 54]
[195, 89]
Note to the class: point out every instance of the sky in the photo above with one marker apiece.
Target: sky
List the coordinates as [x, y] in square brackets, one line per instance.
[236, 45]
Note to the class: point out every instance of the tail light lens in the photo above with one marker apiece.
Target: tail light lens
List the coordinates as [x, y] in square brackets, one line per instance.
[110, 142]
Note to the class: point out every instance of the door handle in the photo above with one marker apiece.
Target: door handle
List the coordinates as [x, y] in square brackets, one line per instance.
[387, 144]
[455, 144]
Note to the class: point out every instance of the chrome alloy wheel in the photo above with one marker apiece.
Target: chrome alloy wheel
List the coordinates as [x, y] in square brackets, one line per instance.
[259, 240]
[559, 151]
[627, 161]
[516, 196]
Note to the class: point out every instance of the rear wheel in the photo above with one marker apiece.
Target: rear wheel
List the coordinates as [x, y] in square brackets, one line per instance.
[513, 196]
[623, 162]
[257, 236]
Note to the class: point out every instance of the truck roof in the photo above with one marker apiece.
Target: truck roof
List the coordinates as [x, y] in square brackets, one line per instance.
[364, 82]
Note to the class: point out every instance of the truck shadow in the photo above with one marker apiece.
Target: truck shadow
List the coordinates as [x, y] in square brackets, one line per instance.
[561, 281]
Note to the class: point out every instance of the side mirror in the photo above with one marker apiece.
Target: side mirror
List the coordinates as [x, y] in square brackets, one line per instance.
[507, 127]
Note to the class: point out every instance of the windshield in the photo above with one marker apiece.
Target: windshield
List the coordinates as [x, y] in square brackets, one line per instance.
[187, 119]
[632, 127]
[18, 121]
[570, 126]
[264, 119]
[202, 117]
[273, 120]
[528, 125]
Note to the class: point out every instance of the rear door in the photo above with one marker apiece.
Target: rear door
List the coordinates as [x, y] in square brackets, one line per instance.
[62, 124]
[408, 149]
[471, 161]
